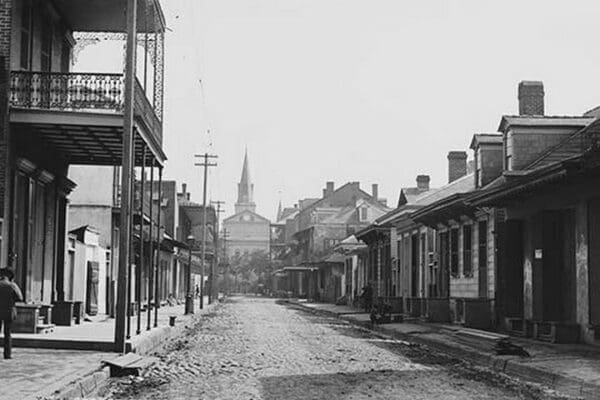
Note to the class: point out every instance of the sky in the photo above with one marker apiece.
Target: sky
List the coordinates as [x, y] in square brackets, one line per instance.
[375, 91]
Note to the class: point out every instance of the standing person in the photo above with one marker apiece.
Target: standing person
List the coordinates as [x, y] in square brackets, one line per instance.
[367, 296]
[9, 295]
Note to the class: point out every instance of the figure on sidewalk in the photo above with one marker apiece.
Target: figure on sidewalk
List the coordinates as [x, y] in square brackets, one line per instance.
[367, 295]
[9, 295]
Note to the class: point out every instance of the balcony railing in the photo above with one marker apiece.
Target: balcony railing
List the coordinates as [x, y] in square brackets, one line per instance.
[66, 91]
[80, 92]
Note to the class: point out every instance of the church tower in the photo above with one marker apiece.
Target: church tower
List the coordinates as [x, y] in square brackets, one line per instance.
[245, 200]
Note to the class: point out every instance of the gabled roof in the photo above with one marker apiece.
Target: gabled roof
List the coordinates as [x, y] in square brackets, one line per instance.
[461, 185]
[346, 213]
[409, 195]
[445, 196]
[248, 212]
[485, 138]
[320, 201]
[532, 120]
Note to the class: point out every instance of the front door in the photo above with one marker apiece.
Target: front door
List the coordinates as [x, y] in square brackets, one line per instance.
[482, 259]
[511, 272]
[594, 260]
[20, 232]
[414, 266]
[93, 280]
[558, 269]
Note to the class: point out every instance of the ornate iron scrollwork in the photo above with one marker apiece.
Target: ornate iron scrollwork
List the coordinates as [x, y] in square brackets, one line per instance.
[66, 91]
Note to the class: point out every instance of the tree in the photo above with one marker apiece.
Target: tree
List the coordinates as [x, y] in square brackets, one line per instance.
[250, 270]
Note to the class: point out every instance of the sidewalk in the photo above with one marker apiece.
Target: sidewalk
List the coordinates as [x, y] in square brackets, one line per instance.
[571, 369]
[98, 334]
[48, 373]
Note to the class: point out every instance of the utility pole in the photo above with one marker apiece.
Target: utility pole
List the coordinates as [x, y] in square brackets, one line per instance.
[204, 164]
[225, 237]
[212, 292]
[127, 161]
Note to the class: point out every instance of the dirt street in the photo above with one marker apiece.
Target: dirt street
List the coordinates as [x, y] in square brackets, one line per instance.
[255, 348]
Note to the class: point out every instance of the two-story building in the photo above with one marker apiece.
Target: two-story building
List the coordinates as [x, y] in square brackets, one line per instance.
[53, 118]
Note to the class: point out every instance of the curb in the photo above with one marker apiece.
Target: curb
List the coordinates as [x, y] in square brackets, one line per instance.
[560, 383]
[90, 383]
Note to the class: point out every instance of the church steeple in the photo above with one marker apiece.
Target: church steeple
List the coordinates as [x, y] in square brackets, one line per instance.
[245, 200]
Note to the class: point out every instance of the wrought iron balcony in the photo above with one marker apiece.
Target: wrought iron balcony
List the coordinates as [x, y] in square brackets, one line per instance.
[81, 92]
[66, 91]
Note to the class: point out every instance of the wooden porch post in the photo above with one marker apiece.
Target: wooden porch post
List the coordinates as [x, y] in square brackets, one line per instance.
[151, 268]
[130, 245]
[126, 162]
[139, 268]
[158, 240]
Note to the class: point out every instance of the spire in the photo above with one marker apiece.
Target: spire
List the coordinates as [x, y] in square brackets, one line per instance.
[245, 169]
[245, 189]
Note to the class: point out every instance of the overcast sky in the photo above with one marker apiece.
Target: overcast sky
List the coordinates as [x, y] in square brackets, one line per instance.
[373, 91]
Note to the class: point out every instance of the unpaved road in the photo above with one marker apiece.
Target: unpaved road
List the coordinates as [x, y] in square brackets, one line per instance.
[255, 348]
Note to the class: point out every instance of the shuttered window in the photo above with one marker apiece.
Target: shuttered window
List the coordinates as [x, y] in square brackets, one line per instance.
[454, 252]
[467, 253]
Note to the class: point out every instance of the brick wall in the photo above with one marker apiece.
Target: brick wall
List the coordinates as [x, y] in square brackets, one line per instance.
[526, 144]
[5, 45]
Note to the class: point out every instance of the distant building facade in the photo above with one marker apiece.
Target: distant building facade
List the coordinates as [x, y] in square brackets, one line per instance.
[246, 230]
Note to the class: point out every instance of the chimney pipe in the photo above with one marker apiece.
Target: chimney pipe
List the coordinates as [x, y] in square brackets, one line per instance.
[183, 188]
[423, 182]
[375, 191]
[531, 98]
[457, 165]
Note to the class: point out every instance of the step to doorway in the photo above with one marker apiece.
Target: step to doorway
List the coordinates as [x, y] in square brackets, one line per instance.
[45, 328]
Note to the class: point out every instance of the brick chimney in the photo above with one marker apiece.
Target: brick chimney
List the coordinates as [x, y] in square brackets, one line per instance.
[329, 189]
[531, 98]
[375, 191]
[183, 188]
[457, 165]
[423, 182]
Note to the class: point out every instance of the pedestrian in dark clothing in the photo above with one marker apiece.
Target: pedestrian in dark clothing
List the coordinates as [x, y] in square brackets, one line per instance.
[9, 295]
[367, 296]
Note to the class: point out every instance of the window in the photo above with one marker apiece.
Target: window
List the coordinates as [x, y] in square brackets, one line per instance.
[330, 243]
[482, 266]
[363, 213]
[65, 56]
[454, 252]
[467, 261]
[47, 33]
[26, 34]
